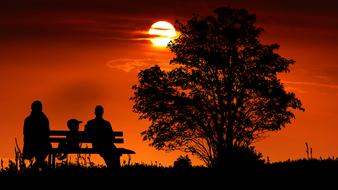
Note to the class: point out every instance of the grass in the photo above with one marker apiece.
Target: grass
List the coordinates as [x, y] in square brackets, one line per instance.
[288, 174]
[82, 171]
[297, 168]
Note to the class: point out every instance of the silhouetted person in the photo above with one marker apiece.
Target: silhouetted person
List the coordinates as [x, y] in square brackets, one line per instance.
[72, 139]
[36, 135]
[101, 134]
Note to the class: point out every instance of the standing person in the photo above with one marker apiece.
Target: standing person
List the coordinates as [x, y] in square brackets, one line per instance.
[36, 135]
[101, 135]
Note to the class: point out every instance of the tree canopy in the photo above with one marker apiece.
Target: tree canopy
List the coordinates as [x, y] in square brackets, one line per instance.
[223, 92]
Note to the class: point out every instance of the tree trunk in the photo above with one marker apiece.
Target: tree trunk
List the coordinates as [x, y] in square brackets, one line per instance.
[220, 159]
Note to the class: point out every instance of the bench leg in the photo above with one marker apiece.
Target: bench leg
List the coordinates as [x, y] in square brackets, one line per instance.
[49, 160]
[113, 161]
[53, 161]
[118, 161]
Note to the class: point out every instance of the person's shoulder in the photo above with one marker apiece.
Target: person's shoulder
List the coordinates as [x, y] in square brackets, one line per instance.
[90, 122]
[28, 119]
[44, 116]
[106, 122]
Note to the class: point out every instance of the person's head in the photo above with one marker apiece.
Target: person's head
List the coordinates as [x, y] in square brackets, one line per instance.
[36, 106]
[73, 124]
[99, 111]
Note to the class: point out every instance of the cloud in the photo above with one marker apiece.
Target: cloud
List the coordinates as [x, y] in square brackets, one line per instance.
[125, 64]
[294, 89]
[128, 65]
[317, 84]
[323, 78]
[88, 20]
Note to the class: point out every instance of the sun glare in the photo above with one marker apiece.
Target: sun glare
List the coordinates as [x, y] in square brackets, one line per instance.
[162, 33]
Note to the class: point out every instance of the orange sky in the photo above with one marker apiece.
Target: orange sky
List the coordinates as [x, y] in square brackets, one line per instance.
[73, 56]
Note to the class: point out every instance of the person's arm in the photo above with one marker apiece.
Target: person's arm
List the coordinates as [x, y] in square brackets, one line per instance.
[89, 130]
[47, 131]
[47, 124]
[111, 131]
[86, 128]
[25, 127]
[110, 127]
[26, 132]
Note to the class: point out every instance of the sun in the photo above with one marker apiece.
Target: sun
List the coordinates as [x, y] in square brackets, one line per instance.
[162, 33]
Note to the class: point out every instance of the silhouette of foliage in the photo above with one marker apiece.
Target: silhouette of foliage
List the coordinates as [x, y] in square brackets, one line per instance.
[223, 92]
[182, 162]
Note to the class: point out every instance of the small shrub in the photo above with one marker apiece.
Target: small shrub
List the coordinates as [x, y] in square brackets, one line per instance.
[183, 162]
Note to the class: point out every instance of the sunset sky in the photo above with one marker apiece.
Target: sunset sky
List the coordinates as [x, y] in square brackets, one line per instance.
[73, 55]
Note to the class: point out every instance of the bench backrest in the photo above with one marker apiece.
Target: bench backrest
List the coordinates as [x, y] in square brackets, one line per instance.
[57, 136]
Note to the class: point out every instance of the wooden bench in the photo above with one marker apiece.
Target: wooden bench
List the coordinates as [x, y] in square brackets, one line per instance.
[59, 136]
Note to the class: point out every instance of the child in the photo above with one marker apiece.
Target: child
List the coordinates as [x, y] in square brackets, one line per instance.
[72, 139]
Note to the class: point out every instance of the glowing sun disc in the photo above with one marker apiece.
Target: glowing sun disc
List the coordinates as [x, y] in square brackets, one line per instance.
[163, 32]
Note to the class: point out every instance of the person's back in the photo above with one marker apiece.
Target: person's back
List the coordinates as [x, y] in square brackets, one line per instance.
[36, 134]
[101, 134]
[100, 131]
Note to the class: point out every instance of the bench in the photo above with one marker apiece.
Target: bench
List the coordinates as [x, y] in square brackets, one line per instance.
[59, 136]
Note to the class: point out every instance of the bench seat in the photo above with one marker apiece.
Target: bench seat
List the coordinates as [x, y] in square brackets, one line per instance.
[92, 151]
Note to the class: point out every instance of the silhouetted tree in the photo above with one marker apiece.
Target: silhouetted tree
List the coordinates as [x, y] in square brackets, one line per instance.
[223, 92]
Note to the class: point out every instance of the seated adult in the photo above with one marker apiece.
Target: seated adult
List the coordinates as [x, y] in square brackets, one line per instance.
[101, 134]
